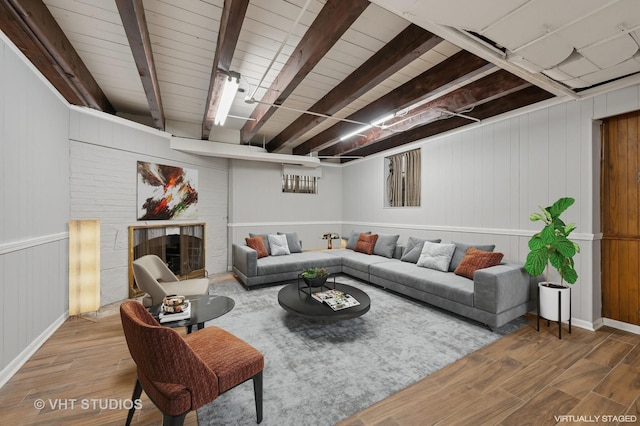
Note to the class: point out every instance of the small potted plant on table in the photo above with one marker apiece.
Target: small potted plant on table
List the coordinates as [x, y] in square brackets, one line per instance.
[315, 277]
[552, 247]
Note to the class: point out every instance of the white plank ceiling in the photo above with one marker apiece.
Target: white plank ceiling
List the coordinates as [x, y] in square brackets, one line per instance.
[572, 44]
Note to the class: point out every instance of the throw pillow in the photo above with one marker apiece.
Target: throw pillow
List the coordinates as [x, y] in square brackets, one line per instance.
[477, 259]
[386, 245]
[353, 239]
[366, 243]
[413, 249]
[436, 256]
[278, 244]
[461, 250]
[292, 241]
[257, 243]
[265, 239]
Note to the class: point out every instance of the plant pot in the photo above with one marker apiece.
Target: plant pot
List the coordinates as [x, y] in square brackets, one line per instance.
[315, 282]
[549, 301]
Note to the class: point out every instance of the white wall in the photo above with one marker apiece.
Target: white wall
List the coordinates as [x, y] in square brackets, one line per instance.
[34, 209]
[258, 205]
[104, 151]
[480, 184]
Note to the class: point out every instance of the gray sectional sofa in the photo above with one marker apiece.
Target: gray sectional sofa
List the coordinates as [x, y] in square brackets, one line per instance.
[495, 295]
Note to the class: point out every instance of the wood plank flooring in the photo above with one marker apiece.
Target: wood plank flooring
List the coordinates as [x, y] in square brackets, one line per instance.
[525, 378]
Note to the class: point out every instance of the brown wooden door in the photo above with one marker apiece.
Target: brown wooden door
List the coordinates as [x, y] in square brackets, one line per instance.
[620, 213]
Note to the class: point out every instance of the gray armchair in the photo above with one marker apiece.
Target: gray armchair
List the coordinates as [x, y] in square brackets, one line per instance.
[155, 278]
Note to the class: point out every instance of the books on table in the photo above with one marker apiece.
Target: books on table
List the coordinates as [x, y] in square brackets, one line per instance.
[336, 299]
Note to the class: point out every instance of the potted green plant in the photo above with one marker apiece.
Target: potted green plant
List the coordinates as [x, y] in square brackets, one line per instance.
[551, 247]
[315, 277]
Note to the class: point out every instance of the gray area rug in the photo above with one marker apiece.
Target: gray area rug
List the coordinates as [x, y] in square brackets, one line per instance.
[319, 373]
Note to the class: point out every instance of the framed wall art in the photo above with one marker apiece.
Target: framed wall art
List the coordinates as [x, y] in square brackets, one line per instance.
[166, 192]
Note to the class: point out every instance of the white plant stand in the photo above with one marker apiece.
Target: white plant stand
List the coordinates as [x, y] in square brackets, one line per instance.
[559, 317]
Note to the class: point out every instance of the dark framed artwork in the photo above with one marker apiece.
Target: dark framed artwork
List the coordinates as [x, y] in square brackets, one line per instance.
[166, 192]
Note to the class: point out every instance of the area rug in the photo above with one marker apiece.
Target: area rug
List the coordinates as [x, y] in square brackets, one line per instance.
[320, 373]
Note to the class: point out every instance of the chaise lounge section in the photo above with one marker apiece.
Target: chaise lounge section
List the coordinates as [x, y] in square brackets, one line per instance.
[493, 295]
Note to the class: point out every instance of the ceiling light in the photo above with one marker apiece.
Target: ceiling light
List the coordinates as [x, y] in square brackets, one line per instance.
[356, 132]
[229, 91]
[376, 123]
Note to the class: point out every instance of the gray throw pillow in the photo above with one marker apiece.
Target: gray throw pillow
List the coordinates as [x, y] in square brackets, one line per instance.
[413, 249]
[353, 239]
[292, 241]
[461, 250]
[436, 256]
[265, 238]
[386, 245]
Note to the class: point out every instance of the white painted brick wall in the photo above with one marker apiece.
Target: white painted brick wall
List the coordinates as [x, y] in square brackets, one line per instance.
[103, 186]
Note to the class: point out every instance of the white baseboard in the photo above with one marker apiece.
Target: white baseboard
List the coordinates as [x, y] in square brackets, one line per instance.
[583, 324]
[12, 368]
[631, 328]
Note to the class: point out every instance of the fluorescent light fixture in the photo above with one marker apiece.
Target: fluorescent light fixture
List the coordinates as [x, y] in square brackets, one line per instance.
[228, 95]
[368, 126]
[383, 119]
[355, 132]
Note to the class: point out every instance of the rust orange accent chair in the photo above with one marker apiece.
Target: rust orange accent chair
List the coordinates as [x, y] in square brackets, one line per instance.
[181, 374]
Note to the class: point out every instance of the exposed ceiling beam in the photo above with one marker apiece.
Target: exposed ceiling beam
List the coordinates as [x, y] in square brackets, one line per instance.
[407, 46]
[527, 96]
[333, 20]
[486, 89]
[135, 26]
[438, 79]
[233, 15]
[33, 29]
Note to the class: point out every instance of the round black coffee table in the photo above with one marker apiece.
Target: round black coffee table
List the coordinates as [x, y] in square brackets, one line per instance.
[300, 303]
[203, 308]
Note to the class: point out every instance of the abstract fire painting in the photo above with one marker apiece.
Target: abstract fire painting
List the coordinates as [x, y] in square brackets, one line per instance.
[166, 192]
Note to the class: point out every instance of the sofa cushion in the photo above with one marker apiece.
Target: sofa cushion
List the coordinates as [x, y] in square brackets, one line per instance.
[257, 243]
[461, 250]
[358, 261]
[477, 259]
[296, 262]
[292, 241]
[443, 284]
[278, 244]
[366, 243]
[436, 256]
[386, 245]
[265, 238]
[414, 248]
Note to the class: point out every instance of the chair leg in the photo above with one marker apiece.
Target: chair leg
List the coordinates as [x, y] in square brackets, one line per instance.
[257, 391]
[137, 391]
[178, 420]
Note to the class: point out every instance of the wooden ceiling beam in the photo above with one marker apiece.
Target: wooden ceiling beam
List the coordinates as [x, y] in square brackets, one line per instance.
[438, 79]
[33, 29]
[486, 89]
[407, 46]
[521, 98]
[135, 26]
[333, 20]
[233, 15]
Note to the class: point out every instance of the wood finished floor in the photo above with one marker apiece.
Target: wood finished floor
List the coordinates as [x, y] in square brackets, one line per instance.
[525, 378]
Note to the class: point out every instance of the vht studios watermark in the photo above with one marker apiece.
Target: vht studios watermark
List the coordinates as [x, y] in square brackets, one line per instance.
[606, 418]
[87, 404]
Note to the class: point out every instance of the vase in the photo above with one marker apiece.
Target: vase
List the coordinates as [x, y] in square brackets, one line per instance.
[549, 301]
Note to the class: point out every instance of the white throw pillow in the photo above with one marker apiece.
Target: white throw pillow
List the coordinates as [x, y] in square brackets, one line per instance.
[279, 245]
[436, 256]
